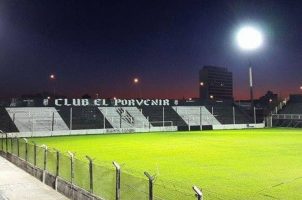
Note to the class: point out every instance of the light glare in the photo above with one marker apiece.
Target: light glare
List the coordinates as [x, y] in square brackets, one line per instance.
[249, 38]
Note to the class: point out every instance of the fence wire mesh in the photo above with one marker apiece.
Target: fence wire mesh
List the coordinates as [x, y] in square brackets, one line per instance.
[65, 167]
[133, 187]
[103, 183]
[51, 161]
[169, 192]
[22, 149]
[81, 174]
[40, 157]
[30, 154]
[14, 146]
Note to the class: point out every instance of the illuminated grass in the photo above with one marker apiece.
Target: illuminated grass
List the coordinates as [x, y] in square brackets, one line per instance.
[233, 164]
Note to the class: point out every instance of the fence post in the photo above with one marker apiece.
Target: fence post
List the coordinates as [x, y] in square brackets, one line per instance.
[44, 161]
[57, 168]
[255, 119]
[151, 179]
[163, 116]
[198, 192]
[234, 116]
[1, 133]
[58, 162]
[11, 145]
[120, 120]
[104, 121]
[53, 121]
[200, 117]
[18, 147]
[117, 181]
[2, 142]
[26, 149]
[90, 173]
[45, 156]
[70, 122]
[71, 155]
[6, 141]
[35, 153]
[149, 124]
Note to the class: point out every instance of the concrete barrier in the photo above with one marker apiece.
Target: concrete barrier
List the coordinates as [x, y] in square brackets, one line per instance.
[91, 131]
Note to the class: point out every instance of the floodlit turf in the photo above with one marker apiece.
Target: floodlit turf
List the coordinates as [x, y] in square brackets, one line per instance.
[229, 164]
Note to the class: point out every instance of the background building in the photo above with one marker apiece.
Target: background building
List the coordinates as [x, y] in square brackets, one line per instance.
[215, 83]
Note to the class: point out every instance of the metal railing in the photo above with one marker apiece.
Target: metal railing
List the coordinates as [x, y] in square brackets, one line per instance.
[109, 183]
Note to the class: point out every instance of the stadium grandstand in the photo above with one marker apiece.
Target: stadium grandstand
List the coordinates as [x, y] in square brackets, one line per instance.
[289, 113]
[44, 115]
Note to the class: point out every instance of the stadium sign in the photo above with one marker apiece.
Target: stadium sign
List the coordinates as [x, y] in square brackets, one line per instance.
[113, 102]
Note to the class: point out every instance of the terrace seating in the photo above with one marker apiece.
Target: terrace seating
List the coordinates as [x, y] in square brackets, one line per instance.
[162, 116]
[117, 117]
[291, 108]
[139, 120]
[28, 119]
[289, 116]
[88, 117]
[6, 123]
[194, 115]
[224, 113]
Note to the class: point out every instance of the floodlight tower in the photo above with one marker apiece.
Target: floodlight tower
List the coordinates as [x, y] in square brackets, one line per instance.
[52, 78]
[137, 82]
[249, 39]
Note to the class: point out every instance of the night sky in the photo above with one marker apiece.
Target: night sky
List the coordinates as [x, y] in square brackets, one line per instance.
[100, 46]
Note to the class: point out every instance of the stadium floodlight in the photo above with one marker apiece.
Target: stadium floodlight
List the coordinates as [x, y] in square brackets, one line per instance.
[135, 80]
[52, 76]
[301, 87]
[249, 38]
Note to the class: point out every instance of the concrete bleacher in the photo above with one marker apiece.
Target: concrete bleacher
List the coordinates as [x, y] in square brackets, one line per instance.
[291, 108]
[162, 116]
[223, 112]
[125, 117]
[88, 117]
[184, 116]
[118, 117]
[290, 115]
[28, 119]
[196, 115]
[140, 120]
[6, 123]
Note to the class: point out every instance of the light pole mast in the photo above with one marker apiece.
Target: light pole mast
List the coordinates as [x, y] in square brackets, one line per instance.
[251, 85]
[250, 39]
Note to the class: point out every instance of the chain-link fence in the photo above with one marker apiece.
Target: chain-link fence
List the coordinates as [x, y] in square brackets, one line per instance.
[105, 182]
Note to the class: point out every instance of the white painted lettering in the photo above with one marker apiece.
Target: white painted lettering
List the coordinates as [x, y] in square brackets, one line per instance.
[85, 102]
[57, 102]
[66, 102]
[76, 102]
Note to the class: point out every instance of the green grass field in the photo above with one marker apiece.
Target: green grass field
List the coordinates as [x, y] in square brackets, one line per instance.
[230, 164]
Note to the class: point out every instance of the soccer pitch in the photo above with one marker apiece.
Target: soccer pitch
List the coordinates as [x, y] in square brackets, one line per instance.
[227, 164]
